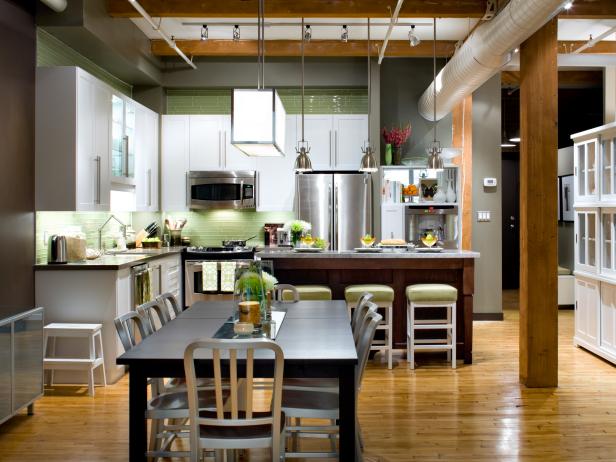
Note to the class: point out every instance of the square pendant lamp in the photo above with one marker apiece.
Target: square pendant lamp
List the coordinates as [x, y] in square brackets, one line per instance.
[258, 122]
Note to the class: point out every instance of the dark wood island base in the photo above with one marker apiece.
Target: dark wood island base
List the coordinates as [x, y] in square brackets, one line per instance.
[343, 269]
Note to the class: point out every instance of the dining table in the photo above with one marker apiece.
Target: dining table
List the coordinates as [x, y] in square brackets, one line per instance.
[315, 337]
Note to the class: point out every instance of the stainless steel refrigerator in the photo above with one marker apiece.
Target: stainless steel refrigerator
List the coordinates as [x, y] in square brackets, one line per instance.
[337, 205]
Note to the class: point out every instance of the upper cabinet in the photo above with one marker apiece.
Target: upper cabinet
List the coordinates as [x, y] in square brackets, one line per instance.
[585, 170]
[175, 144]
[90, 140]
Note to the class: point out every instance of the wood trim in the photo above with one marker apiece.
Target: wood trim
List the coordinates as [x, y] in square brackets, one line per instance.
[299, 8]
[538, 214]
[566, 79]
[488, 317]
[601, 48]
[462, 137]
[292, 48]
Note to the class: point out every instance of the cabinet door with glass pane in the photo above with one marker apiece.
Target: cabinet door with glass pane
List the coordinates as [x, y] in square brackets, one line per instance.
[608, 241]
[122, 140]
[586, 178]
[586, 235]
[608, 167]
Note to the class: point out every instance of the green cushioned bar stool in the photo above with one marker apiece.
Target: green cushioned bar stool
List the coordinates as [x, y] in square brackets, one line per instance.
[308, 292]
[421, 296]
[383, 297]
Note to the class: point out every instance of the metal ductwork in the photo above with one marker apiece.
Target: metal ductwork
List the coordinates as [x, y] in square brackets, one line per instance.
[485, 52]
[57, 5]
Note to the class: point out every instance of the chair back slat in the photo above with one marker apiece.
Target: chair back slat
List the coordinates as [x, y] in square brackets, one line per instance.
[125, 327]
[249, 382]
[368, 328]
[363, 299]
[147, 310]
[220, 405]
[281, 289]
[362, 312]
[234, 383]
[168, 299]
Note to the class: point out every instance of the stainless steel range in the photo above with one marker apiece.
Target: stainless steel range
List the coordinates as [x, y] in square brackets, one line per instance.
[209, 271]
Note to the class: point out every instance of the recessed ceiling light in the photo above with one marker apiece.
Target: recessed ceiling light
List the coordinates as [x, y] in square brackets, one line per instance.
[204, 32]
[568, 5]
[517, 50]
[515, 140]
[236, 32]
[508, 145]
[413, 39]
[345, 33]
[307, 33]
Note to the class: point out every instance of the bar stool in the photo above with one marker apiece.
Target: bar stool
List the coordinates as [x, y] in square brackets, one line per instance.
[309, 292]
[383, 297]
[91, 332]
[421, 296]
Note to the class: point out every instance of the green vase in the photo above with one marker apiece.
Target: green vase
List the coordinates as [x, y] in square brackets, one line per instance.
[295, 237]
[388, 154]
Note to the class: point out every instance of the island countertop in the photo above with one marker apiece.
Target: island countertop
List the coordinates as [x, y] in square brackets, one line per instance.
[386, 254]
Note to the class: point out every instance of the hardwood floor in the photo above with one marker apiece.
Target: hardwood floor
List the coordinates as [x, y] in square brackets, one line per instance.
[475, 413]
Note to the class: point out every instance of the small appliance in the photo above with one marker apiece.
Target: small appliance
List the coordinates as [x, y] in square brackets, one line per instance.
[222, 189]
[57, 251]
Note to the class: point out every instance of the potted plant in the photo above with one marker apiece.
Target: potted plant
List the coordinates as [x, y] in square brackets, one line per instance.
[297, 228]
[395, 137]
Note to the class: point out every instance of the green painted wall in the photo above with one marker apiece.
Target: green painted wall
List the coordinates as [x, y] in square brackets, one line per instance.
[317, 101]
[211, 227]
[52, 52]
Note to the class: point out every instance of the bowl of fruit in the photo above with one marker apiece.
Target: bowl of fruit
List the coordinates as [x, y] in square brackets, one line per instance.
[429, 238]
[368, 240]
[307, 241]
[410, 193]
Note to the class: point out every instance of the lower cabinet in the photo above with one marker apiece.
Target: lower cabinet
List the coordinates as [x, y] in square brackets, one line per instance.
[595, 317]
[21, 361]
[171, 276]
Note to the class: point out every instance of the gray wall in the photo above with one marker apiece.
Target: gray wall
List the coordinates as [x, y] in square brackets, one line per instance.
[403, 81]
[487, 236]
[566, 234]
[17, 65]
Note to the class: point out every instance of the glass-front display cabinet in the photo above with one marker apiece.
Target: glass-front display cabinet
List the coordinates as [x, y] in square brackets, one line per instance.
[585, 169]
[122, 141]
[586, 228]
[608, 167]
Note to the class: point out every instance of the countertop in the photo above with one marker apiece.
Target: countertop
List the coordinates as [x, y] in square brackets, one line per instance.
[113, 262]
[287, 253]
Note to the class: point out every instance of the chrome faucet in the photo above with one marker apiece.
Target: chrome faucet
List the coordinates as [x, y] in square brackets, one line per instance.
[100, 230]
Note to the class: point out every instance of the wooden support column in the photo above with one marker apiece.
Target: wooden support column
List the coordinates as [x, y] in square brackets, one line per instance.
[463, 138]
[538, 203]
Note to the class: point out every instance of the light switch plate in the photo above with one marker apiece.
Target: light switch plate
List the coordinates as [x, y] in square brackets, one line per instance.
[483, 216]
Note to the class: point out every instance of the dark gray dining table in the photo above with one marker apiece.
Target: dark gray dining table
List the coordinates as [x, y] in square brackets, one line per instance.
[315, 337]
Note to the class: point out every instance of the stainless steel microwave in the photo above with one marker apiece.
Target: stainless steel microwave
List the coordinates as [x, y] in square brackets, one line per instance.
[222, 189]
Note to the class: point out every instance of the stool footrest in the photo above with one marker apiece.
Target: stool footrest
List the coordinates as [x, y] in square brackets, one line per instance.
[432, 326]
[430, 341]
[71, 363]
[433, 347]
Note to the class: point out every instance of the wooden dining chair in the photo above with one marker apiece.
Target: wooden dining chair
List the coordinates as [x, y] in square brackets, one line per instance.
[154, 311]
[168, 299]
[285, 293]
[238, 426]
[316, 404]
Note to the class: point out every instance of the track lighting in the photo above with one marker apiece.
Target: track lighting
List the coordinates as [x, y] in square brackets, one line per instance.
[568, 5]
[307, 33]
[413, 39]
[204, 32]
[236, 32]
[345, 33]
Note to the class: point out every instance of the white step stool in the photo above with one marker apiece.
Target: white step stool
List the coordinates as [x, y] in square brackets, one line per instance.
[68, 330]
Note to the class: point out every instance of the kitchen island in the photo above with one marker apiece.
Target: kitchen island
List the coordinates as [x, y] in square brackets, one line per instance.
[339, 269]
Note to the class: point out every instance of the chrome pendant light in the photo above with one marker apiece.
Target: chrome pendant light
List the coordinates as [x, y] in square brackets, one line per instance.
[368, 162]
[435, 161]
[302, 161]
[258, 116]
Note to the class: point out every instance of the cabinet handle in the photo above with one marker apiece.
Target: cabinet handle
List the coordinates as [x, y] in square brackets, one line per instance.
[224, 146]
[97, 159]
[149, 187]
[220, 149]
[336, 147]
[331, 148]
[125, 152]
[187, 190]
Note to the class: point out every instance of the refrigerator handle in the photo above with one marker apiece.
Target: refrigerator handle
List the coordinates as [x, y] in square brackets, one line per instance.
[335, 218]
[329, 209]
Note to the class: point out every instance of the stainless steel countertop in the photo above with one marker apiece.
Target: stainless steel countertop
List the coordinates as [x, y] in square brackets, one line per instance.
[287, 253]
[112, 262]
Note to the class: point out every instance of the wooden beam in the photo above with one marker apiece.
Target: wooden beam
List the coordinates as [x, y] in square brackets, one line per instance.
[323, 48]
[590, 9]
[462, 137]
[566, 79]
[299, 8]
[602, 48]
[538, 203]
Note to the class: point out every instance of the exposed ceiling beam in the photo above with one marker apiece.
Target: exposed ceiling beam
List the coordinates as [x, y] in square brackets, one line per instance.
[599, 48]
[287, 48]
[336, 8]
[566, 79]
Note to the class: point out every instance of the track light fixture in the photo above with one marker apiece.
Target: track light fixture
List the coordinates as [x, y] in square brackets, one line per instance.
[236, 32]
[345, 33]
[204, 32]
[413, 39]
[307, 33]
[568, 5]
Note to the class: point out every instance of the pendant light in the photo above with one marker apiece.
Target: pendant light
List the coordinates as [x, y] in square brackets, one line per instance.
[258, 116]
[302, 162]
[368, 163]
[435, 161]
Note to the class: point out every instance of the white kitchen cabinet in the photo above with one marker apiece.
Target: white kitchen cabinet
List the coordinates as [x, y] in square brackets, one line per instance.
[392, 221]
[350, 134]
[586, 229]
[124, 140]
[206, 142]
[587, 304]
[233, 158]
[276, 178]
[174, 162]
[171, 275]
[607, 339]
[72, 141]
[319, 133]
[146, 159]
[585, 170]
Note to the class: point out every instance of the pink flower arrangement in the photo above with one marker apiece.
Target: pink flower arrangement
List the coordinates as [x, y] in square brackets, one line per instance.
[397, 136]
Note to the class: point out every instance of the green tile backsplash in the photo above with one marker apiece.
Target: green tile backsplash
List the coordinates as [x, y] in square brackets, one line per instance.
[317, 101]
[53, 52]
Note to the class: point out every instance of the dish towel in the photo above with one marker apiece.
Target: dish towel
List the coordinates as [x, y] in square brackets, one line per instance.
[227, 276]
[210, 276]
